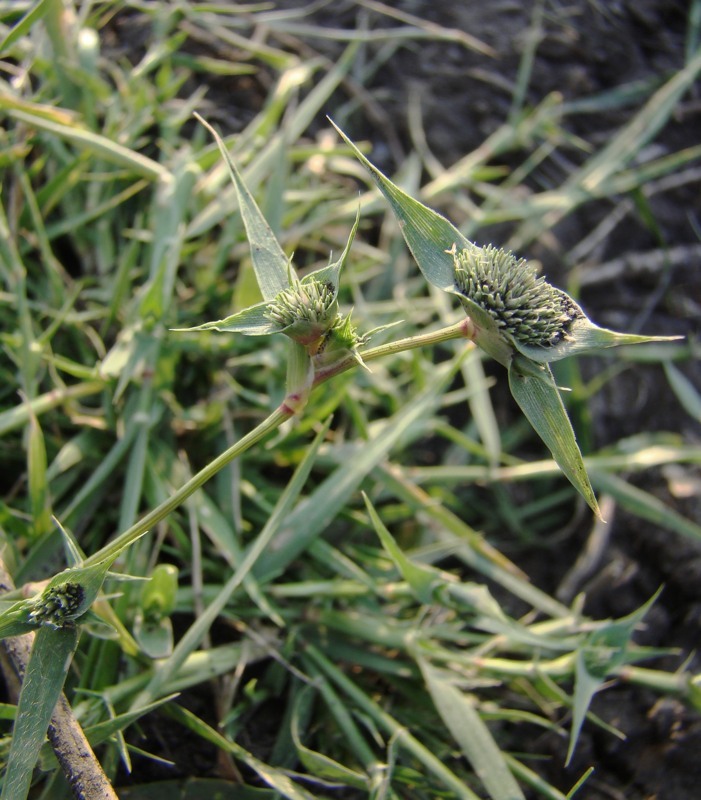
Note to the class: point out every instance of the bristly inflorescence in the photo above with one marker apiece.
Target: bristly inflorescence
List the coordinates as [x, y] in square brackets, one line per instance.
[522, 304]
[313, 301]
[57, 606]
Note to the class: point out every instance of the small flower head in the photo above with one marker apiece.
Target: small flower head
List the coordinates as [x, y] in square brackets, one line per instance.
[305, 311]
[57, 606]
[339, 342]
[524, 306]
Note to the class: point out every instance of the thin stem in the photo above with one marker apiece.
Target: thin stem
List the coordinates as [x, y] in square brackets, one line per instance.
[114, 548]
[17, 417]
[464, 329]
[290, 406]
[459, 330]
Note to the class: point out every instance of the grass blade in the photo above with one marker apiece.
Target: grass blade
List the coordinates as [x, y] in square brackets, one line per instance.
[386, 722]
[270, 263]
[473, 736]
[645, 505]
[685, 391]
[43, 682]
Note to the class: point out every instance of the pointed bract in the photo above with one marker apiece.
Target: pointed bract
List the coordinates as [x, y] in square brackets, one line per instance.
[269, 261]
[539, 399]
[586, 337]
[429, 235]
[253, 321]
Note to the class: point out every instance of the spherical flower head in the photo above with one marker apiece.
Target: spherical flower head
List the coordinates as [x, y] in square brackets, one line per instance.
[57, 606]
[305, 311]
[524, 306]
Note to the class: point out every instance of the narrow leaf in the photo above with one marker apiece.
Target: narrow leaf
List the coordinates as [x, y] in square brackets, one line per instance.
[253, 321]
[428, 234]
[22, 28]
[585, 687]
[424, 580]
[539, 399]
[686, 392]
[14, 620]
[271, 776]
[269, 261]
[603, 651]
[43, 682]
[470, 732]
[319, 764]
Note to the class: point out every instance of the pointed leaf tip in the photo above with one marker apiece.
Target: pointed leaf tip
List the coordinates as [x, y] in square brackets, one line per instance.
[539, 399]
[252, 321]
[270, 263]
[428, 234]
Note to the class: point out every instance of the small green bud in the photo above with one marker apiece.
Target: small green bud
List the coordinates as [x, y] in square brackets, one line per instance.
[57, 606]
[523, 305]
[305, 311]
[339, 342]
[160, 591]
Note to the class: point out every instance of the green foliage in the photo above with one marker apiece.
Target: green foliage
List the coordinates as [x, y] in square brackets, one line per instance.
[257, 519]
[43, 681]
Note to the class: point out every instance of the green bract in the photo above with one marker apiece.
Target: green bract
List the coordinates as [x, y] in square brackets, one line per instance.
[306, 310]
[516, 317]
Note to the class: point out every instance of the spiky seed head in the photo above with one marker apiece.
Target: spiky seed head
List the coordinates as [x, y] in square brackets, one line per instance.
[522, 304]
[57, 606]
[305, 311]
[304, 302]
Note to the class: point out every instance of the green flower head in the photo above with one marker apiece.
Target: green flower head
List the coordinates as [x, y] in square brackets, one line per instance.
[305, 311]
[57, 606]
[524, 306]
[516, 312]
[514, 315]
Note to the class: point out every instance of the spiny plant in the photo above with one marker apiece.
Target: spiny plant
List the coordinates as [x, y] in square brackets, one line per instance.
[341, 634]
[514, 316]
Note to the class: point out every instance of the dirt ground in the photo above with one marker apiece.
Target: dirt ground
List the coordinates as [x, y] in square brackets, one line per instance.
[586, 47]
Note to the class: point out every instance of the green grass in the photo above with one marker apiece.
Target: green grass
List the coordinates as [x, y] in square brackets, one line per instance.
[345, 606]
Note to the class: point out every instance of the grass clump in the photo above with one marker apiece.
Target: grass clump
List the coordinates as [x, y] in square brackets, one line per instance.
[255, 522]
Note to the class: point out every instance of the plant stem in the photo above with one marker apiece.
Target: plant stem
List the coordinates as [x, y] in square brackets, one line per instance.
[17, 417]
[114, 548]
[460, 330]
[291, 405]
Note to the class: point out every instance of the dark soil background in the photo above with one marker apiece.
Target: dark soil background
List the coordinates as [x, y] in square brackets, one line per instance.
[586, 47]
